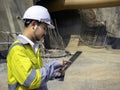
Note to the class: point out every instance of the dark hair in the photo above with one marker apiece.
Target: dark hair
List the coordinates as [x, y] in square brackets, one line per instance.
[28, 21]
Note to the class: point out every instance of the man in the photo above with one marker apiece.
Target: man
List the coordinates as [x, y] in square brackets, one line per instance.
[24, 64]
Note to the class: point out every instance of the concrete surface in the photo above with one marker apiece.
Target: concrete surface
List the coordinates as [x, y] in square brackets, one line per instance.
[3, 77]
[95, 69]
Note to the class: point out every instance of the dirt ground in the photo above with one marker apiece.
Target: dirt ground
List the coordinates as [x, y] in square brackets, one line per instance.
[94, 69]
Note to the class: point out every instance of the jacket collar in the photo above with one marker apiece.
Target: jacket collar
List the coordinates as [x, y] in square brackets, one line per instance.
[25, 40]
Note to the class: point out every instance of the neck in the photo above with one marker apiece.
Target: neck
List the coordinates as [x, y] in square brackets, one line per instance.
[29, 35]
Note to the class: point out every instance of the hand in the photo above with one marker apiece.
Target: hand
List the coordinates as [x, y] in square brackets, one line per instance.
[61, 73]
[55, 68]
[66, 65]
[64, 62]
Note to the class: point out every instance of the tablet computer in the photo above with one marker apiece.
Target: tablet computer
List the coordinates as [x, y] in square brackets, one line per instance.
[72, 59]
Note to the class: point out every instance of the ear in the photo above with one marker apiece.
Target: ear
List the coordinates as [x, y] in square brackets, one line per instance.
[34, 25]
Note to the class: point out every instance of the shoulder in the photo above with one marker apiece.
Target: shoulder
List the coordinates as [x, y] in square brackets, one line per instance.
[16, 47]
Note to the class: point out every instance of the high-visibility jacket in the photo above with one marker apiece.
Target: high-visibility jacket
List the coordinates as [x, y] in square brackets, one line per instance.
[23, 67]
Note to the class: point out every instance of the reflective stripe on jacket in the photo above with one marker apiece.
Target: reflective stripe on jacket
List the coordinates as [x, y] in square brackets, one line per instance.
[23, 68]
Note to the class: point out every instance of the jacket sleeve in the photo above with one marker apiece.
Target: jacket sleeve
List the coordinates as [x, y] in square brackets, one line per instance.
[50, 71]
[23, 70]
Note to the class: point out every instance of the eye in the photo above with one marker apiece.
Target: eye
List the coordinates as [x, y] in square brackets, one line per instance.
[44, 27]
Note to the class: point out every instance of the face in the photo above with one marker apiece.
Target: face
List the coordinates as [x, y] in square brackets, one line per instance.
[40, 31]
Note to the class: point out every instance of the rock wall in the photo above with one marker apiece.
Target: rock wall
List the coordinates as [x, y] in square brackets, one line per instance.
[92, 26]
[10, 11]
[76, 23]
[112, 18]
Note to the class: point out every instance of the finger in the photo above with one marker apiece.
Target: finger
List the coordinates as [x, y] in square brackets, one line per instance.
[57, 74]
[58, 69]
[67, 62]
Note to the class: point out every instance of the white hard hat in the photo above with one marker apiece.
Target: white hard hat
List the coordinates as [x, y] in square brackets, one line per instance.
[38, 13]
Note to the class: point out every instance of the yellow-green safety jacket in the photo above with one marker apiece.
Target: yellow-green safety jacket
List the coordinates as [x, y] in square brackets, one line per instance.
[25, 68]
[19, 72]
